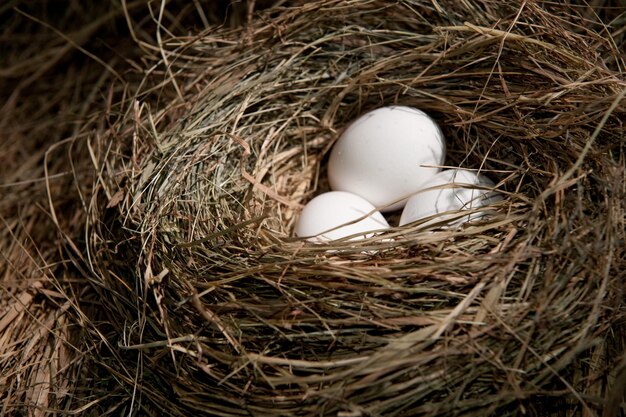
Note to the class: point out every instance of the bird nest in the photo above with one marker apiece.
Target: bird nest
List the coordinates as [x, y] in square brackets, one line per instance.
[214, 306]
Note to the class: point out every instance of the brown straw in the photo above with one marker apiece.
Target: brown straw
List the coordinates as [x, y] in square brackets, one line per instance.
[203, 303]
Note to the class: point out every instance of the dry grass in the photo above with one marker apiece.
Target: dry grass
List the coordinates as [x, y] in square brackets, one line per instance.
[200, 300]
[48, 86]
[219, 310]
[61, 68]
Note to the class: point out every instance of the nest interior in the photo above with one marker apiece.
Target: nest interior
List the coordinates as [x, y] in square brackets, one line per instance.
[213, 307]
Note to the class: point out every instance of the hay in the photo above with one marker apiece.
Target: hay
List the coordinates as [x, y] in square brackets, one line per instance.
[215, 308]
[57, 68]
[50, 88]
[202, 302]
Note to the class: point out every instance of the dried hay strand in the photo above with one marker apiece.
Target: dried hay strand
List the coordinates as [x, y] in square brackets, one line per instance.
[52, 82]
[57, 69]
[50, 88]
[214, 308]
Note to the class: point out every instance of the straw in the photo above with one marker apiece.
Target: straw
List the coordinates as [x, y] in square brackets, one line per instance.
[149, 265]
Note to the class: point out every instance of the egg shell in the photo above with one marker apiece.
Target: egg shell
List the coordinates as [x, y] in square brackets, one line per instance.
[385, 155]
[334, 215]
[453, 193]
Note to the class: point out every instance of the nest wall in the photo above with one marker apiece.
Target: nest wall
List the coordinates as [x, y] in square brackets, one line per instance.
[63, 66]
[213, 307]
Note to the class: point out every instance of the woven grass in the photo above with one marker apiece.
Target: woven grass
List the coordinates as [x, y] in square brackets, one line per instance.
[217, 309]
[201, 302]
[61, 68]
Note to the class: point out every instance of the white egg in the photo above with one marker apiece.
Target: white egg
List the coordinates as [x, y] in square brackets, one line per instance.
[448, 192]
[385, 155]
[338, 214]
